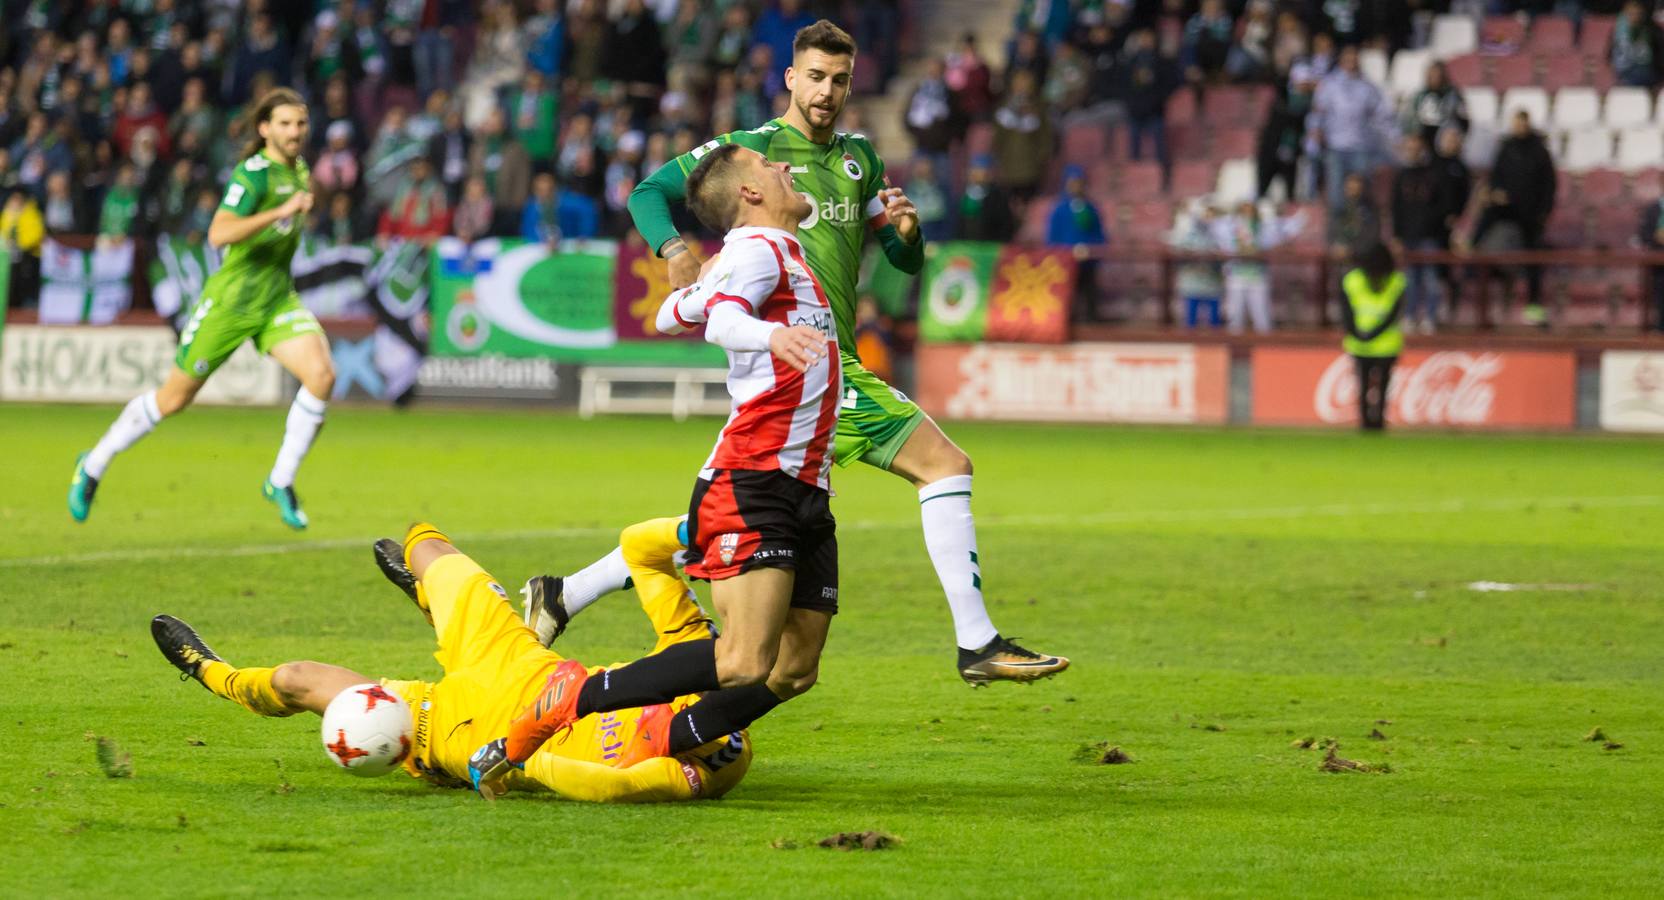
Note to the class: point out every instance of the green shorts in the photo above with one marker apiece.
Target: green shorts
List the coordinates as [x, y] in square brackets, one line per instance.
[875, 419]
[214, 332]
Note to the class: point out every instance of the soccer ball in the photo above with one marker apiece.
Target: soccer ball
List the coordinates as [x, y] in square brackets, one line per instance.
[367, 730]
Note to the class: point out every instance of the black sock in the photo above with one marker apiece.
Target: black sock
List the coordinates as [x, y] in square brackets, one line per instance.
[685, 668]
[719, 714]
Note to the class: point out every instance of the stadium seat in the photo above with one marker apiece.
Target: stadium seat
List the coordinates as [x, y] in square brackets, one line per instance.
[1502, 34]
[1480, 149]
[1084, 144]
[1229, 105]
[1102, 175]
[1238, 179]
[1531, 99]
[1186, 141]
[1193, 179]
[1587, 149]
[1565, 228]
[1646, 185]
[1601, 186]
[1409, 71]
[1038, 215]
[1614, 226]
[1453, 35]
[1575, 108]
[1150, 221]
[1514, 71]
[1465, 71]
[1181, 108]
[1372, 61]
[1596, 34]
[1233, 143]
[1560, 73]
[1627, 107]
[1481, 103]
[1139, 181]
[1640, 148]
[1552, 34]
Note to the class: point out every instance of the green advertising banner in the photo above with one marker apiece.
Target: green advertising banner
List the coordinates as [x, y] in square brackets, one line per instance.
[953, 302]
[511, 298]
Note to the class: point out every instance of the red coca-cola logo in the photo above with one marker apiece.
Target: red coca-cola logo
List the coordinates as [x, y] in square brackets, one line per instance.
[1448, 388]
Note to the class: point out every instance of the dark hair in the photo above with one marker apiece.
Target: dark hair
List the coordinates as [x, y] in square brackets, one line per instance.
[709, 191]
[825, 37]
[1376, 262]
[263, 113]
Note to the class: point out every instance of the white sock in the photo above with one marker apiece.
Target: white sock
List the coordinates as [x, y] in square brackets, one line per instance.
[950, 536]
[136, 420]
[306, 416]
[596, 580]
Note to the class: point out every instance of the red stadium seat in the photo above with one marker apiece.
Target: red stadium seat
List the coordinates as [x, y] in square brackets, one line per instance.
[1596, 35]
[1084, 144]
[1234, 143]
[1614, 226]
[1101, 175]
[1193, 179]
[1565, 228]
[1563, 73]
[1601, 186]
[1513, 71]
[1135, 181]
[1187, 141]
[1231, 105]
[1501, 32]
[1466, 71]
[1149, 222]
[1646, 185]
[1181, 107]
[1552, 35]
[1033, 229]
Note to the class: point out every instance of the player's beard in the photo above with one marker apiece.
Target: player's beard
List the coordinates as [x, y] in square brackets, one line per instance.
[805, 110]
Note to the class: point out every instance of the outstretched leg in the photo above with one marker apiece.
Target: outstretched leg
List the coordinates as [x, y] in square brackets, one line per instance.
[942, 473]
[264, 690]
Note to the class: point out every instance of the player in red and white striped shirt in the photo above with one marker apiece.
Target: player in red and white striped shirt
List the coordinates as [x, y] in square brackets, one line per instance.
[759, 524]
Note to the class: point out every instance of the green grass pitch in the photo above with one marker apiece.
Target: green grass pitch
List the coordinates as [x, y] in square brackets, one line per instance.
[1223, 594]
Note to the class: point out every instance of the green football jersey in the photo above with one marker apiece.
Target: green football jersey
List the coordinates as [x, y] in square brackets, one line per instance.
[255, 271]
[841, 180]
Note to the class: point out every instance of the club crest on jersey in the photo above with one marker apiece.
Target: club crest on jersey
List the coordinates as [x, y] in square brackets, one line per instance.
[726, 546]
[852, 168]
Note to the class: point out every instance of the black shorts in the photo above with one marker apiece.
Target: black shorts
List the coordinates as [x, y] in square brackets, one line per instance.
[741, 520]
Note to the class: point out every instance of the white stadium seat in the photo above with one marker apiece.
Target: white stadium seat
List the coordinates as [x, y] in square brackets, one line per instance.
[1641, 148]
[1627, 107]
[1480, 149]
[1533, 100]
[1453, 36]
[1481, 103]
[1576, 108]
[1586, 149]
[1238, 179]
[1372, 62]
[1409, 71]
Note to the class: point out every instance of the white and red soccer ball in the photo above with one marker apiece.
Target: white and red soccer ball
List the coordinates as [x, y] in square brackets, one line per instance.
[367, 730]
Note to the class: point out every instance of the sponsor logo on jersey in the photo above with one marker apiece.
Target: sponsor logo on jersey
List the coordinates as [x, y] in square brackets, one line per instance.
[852, 168]
[821, 321]
[842, 212]
[726, 546]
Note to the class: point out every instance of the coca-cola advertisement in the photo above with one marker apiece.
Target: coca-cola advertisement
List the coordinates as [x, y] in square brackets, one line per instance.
[1161, 383]
[1477, 389]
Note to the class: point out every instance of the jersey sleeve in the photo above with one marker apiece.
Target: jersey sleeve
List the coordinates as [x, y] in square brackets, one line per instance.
[246, 190]
[908, 256]
[746, 274]
[649, 203]
[651, 781]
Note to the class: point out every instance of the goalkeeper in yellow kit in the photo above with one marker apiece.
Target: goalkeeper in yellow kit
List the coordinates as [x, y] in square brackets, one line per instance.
[495, 667]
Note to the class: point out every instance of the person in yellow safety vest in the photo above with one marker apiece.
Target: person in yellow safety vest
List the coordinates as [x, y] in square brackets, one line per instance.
[1374, 292]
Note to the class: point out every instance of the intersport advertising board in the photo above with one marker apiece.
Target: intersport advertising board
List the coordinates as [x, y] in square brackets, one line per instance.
[1156, 383]
[1479, 389]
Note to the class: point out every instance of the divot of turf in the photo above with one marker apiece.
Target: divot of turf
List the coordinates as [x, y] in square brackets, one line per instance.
[116, 762]
[1333, 762]
[1376, 735]
[1596, 734]
[1102, 754]
[860, 840]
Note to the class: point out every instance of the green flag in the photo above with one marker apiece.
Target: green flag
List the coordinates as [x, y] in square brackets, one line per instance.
[953, 304]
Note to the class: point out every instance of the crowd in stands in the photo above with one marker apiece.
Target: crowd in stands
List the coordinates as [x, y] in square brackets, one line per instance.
[429, 118]
[1167, 104]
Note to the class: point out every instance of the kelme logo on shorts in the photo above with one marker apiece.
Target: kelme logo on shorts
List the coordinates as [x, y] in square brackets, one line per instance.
[726, 547]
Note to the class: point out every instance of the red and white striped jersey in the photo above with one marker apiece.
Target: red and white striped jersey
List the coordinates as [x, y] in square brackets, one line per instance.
[781, 419]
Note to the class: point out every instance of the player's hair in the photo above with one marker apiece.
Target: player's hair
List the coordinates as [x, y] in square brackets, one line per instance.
[710, 188]
[825, 37]
[263, 113]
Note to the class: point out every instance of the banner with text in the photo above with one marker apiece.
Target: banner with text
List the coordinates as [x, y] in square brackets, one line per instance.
[1447, 388]
[115, 363]
[1160, 383]
[1631, 391]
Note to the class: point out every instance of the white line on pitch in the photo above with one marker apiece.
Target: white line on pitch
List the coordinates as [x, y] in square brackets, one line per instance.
[1129, 517]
